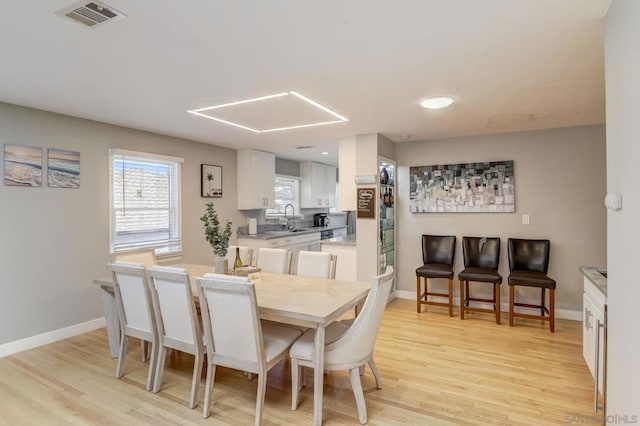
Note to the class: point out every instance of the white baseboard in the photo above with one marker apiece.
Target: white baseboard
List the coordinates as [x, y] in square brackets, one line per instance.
[49, 337]
[504, 307]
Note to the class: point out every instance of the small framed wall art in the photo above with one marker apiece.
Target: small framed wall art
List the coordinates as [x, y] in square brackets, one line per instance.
[63, 168]
[211, 181]
[22, 165]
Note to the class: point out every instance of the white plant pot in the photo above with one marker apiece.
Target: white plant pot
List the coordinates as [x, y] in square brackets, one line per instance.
[222, 266]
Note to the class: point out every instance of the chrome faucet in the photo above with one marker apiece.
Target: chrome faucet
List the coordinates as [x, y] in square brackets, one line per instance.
[290, 220]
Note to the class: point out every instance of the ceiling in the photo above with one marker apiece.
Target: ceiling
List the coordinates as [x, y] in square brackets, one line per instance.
[512, 65]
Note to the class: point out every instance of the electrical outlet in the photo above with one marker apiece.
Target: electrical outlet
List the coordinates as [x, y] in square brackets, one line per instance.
[526, 219]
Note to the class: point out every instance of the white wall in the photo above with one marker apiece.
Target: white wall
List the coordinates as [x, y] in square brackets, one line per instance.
[622, 66]
[53, 242]
[560, 182]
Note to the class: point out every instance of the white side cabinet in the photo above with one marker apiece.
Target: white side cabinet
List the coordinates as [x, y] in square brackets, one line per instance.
[593, 314]
[256, 180]
[318, 186]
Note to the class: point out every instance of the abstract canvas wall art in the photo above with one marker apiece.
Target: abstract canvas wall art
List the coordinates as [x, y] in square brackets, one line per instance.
[487, 187]
[63, 168]
[22, 165]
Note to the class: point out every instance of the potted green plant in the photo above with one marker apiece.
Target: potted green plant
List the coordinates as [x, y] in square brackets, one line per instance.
[217, 237]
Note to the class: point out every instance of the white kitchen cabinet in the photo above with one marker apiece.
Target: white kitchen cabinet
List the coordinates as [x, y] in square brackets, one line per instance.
[593, 313]
[256, 179]
[318, 186]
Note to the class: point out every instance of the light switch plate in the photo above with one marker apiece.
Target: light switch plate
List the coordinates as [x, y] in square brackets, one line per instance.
[526, 219]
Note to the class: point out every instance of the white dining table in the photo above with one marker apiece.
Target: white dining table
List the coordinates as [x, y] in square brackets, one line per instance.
[291, 299]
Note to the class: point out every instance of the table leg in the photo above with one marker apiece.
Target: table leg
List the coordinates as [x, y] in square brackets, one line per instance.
[318, 375]
[111, 318]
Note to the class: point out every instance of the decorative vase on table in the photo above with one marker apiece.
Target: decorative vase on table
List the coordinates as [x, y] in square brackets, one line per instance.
[222, 265]
[218, 237]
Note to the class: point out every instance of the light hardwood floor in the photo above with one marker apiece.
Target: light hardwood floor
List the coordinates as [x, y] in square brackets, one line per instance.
[435, 370]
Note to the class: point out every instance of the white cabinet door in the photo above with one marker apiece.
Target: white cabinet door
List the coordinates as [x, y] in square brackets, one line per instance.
[256, 179]
[312, 185]
[329, 186]
[593, 313]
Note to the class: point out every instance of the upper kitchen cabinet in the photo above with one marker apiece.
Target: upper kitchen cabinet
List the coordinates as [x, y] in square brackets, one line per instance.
[256, 177]
[318, 186]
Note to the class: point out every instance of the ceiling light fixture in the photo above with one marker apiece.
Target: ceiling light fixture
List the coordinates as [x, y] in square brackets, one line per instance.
[325, 153]
[341, 119]
[437, 102]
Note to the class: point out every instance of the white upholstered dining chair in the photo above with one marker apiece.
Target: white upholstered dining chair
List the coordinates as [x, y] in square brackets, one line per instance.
[177, 322]
[246, 255]
[316, 264]
[349, 347]
[135, 312]
[234, 335]
[274, 260]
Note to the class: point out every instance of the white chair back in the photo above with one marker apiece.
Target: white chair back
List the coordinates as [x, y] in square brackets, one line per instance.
[147, 257]
[246, 255]
[315, 264]
[230, 317]
[132, 296]
[274, 260]
[172, 298]
[358, 342]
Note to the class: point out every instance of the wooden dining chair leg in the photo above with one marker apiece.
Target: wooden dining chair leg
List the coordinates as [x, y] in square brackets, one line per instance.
[356, 386]
[152, 365]
[450, 297]
[195, 380]
[262, 388]
[162, 356]
[542, 300]
[552, 310]
[496, 292]
[511, 295]
[121, 355]
[376, 374]
[208, 390]
[418, 292]
[462, 300]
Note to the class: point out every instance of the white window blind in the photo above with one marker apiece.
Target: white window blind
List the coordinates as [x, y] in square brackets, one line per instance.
[145, 202]
[287, 192]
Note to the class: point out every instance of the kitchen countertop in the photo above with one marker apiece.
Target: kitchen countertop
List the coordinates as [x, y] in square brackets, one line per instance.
[284, 233]
[594, 275]
[345, 240]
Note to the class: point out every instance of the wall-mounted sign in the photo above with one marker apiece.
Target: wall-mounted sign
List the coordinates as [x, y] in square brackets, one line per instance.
[365, 179]
[367, 202]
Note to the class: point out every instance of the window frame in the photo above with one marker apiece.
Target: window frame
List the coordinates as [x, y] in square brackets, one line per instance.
[170, 246]
[269, 213]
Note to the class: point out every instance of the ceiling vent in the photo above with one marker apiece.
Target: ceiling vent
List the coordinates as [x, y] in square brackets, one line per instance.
[92, 14]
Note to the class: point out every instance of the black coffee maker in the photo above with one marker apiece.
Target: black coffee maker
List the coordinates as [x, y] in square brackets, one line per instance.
[320, 219]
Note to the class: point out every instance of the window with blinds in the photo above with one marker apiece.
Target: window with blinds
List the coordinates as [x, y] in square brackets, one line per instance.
[287, 191]
[145, 202]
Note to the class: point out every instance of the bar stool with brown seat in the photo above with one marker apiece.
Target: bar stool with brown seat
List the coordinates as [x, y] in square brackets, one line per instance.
[481, 259]
[438, 252]
[528, 264]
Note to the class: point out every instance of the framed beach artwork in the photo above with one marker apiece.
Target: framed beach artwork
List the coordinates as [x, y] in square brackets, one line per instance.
[487, 187]
[211, 181]
[63, 168]
[22, 165]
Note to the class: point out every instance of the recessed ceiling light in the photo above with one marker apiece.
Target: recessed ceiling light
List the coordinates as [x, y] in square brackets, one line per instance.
[437, 102]
[340, 119]
[325, 153]
[405, 137]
